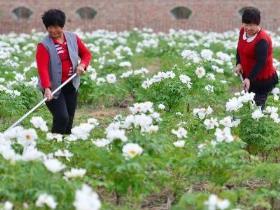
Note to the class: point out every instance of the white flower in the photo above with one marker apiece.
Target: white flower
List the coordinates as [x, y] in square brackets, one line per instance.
[191, 55]
[200, 72]
[82, 131]
[93, 121]
[223, 135]
[180, 143]
[100, 81]
[86, 199]
[247, 97]
[223, 56]
[161, 106]
[114, 134]
[275, 91]
[234, 104]
[7, 206]
[57, 136]
[27, 137]
[211, 123]
[186, 80]
[101, 142]
[271, 109]
[130, 150]
[180, 133]
[54, 165]
[210, 76]
[257, 114]
[125, 64]
[111, 78]
[202, 112]
[214, 203]
[31, 153]
[93, 75]
[63, 153]
[150, 129]
[46, 199]
[142, 107]
[229, 122]
[38, 122]
[75, 172]
[209, 88]
[206, 54]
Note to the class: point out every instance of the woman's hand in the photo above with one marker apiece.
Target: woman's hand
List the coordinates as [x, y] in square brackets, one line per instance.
[48, 94]
[238, 69]
[80, 69]
[246, 84]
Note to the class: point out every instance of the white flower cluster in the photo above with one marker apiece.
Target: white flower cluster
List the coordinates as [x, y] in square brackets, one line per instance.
[181, 134]
[142, 72]
[202, 112]
[10, 92]
[186, 80]
[235, 103]
[39, 122]
[158, 78]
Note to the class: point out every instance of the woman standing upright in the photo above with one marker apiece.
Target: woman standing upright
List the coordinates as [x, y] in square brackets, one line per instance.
[57, 59]
[255, 57]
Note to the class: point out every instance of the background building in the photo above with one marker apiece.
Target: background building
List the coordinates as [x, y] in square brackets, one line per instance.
[161, 15]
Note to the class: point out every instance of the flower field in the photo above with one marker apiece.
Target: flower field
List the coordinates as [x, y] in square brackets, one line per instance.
[162, 123]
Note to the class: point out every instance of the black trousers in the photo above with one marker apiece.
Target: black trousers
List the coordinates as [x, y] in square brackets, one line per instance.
[63, 109]
[260, 99]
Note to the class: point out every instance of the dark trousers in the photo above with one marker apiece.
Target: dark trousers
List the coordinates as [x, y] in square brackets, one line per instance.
[63, 109]
[260, 99]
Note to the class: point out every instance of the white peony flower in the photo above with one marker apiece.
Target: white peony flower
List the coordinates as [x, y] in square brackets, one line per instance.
[31, 153]
[214, 203]
[180, 133]
[200, 72]
[54, 165]
[180, 143]
[27, 137]
[46, 199]
[257, 114]
[111, 78]
[75, 172]
[234, 104]
[63, 153]
[93, 121]
[223, 135]
[211, 123]
[206, 54]
[82, 131]
[186, 80]
[6, 206]
[52, 136]
[101, 142]
[38, 122]
[86, 199]
[229, 122]
[114, 134]
[130, 150]
[161, 106]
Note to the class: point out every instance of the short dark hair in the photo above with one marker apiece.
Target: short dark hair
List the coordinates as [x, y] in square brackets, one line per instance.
[54, 17]
[251, 15]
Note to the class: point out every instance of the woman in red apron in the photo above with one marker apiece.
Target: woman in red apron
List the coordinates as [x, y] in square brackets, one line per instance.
[255, 57]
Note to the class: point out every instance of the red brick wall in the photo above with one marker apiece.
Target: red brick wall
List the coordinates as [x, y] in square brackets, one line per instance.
[207, 15]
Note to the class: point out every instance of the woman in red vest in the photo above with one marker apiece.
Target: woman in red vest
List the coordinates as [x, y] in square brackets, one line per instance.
[57, 59]
[255, 57]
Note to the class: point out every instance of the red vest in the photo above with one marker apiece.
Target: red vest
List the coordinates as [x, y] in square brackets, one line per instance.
[246, 51]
